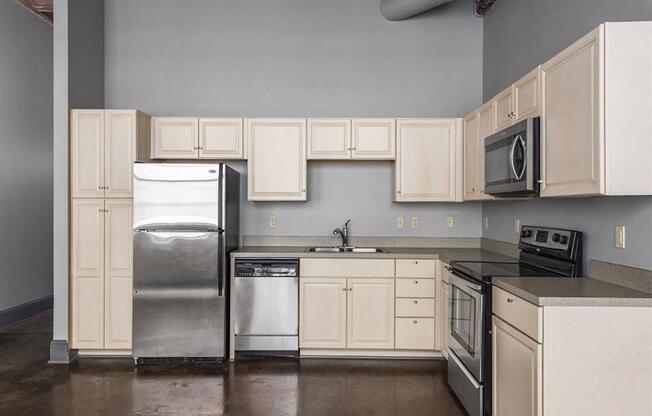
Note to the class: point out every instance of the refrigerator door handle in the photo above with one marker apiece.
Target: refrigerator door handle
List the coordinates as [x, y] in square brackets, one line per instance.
[221, 264]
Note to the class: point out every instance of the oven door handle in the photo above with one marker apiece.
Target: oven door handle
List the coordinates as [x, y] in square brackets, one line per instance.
[468, 283]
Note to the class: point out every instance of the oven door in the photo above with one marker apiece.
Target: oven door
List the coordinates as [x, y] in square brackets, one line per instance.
[465, 338]
[511, 160]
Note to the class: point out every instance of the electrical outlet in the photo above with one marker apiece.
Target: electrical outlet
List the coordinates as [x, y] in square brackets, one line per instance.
[620, 236]
[450, 222]
[486, 223]
[415, 222]
[400, 223]
[517, 226]
[272, 221]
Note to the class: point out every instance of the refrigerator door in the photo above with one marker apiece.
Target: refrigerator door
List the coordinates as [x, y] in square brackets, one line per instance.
[171, 196]
[178, 309]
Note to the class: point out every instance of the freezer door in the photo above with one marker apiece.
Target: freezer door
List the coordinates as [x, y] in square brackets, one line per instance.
[178, 309]
[171, 196]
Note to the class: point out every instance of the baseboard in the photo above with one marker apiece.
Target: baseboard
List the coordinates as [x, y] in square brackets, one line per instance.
[384, 354]
[19, 313]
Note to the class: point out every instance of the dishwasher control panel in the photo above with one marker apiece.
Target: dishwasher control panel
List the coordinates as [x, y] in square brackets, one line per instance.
[267, 268]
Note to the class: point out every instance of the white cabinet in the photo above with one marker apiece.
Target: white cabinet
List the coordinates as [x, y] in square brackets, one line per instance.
[527, 96]
[329, 139]
[175, 137]
[595, 117]
[370, 313]
[473, 176]
[277, 159]
[428, 160]
[103, 147]
[374, 138]
[517, 372]
[322, 312]
[101, 273]
[503, 108]
[221, 138]
[415, 333]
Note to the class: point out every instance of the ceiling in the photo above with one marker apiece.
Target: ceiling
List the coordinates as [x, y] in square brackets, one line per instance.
[43, 8]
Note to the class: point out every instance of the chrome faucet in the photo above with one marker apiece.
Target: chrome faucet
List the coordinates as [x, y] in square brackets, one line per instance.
[344, 233]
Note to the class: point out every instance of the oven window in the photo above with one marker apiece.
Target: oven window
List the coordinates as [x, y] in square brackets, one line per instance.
[463, 307]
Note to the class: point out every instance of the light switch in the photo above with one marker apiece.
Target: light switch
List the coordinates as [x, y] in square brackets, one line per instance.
[486, 223]
[415, 222]
[620, 236]
[450, 222]
[272, 221]
[400, 223]
[517, 226]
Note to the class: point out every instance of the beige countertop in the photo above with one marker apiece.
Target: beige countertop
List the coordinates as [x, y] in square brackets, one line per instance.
[563, 291]
[445, 254]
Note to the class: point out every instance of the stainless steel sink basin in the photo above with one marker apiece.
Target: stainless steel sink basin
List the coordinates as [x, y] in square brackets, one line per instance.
[344, 250]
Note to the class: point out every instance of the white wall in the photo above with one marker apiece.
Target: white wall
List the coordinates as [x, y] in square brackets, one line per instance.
[303, 58]
[25, 156]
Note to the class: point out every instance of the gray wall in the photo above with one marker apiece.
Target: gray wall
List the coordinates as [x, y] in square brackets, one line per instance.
[518, 35]
[302, 58]
[25, 156]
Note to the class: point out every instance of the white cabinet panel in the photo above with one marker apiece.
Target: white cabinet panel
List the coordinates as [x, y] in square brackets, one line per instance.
[503, 108]
[322, 312]
[374, 138]
[221, 138]
[120, 135]
[370, 322]
[527, 96]
[426, 165]
[415, 333]
[277, 159]
[87, 153]
[415, 288]
[175, 137]
[329, 139]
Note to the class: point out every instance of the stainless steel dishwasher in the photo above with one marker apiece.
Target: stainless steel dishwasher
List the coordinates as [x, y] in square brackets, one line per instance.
[267, 305]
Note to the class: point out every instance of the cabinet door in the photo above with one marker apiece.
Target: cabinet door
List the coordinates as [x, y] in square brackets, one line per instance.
[374, 138]
[471, 157]
[118, 275]
[175, 137]
[277, 159]
[517, 372]
[503, 108]
[322, 312]
[445, 315]
[221, 138]
[370, 307]
[426, 160]
[87, 153]
[571, 132]
[485, 129]
[87, 273]
[329, 139]
[119, 152]
[415, 333]
[527, 96]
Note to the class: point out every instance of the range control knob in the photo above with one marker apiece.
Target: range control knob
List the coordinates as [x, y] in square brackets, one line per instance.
[556, 237]
[526, 233]
[564, 239]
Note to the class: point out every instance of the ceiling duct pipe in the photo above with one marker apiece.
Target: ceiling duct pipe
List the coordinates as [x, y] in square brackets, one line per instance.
[404, 9]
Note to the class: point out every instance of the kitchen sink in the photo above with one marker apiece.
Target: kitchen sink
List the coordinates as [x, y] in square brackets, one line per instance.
[344, 250]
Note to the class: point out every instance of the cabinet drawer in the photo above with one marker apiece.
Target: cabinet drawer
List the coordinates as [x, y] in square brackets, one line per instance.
[523, 315]
[415, 307]
[415, 333]
[347, 267]
[415, 268]
[415, 288]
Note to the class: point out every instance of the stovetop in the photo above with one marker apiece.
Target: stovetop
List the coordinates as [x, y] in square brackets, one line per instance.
[484, 271]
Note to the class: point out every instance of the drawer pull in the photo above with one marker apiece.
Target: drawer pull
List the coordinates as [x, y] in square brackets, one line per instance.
[416, 282]
[415, 322]
[415, 302]
[510, 300]
[416, 262]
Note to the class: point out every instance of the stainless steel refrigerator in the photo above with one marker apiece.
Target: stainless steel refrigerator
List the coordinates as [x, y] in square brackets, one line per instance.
[186, 221]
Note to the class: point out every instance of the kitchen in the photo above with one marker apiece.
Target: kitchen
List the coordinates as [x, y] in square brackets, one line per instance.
[330, 112]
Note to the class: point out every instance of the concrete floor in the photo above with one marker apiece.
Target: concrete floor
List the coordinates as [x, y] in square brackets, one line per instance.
[252, 386]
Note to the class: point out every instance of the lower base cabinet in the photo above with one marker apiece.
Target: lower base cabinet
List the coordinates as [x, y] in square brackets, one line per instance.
[415, 333]
[322, 312]
[370, 312]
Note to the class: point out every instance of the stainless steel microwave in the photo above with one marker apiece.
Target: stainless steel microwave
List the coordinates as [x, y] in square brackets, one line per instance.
[512, 160]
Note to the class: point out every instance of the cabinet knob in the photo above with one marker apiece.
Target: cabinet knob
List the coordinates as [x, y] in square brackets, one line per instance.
[353, 148]
[344, 289]
[475, 189]
[416, 301]
[416, 282]
[415, 322]
[416, 262]
[510, 300]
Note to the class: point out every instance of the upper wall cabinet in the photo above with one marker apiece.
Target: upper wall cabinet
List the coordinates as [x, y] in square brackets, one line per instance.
[175, 137]
[596, 124]
[329, 139]
[429, 160]
[192, 138]
[476, 127]
[373, 138]
[221, 138]
[518, 101]
[277, 159]
[104, 145]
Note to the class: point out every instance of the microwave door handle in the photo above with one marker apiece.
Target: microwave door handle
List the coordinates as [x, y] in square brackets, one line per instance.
[517, 175]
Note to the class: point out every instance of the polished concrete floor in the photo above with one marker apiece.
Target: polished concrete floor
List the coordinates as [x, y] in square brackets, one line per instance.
[252, 386]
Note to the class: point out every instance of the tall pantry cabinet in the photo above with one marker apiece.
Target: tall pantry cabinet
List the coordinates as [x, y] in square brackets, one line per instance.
[103, 146]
